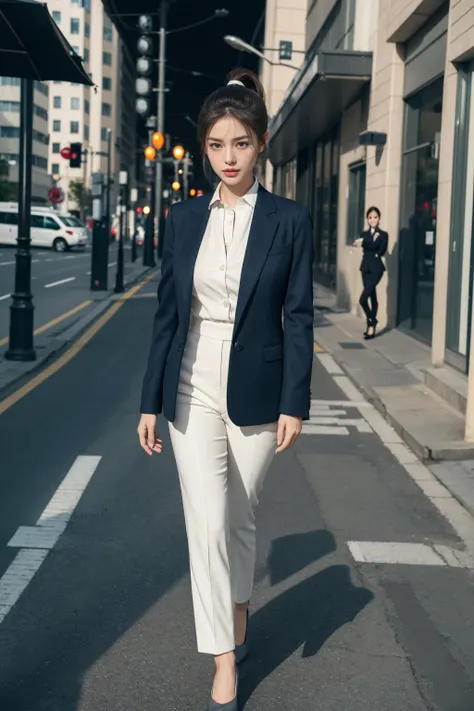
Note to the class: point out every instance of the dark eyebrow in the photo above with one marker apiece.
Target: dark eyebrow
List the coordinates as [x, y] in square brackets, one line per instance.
[218, 140]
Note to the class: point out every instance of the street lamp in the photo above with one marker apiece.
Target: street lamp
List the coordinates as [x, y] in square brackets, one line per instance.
[241, 46]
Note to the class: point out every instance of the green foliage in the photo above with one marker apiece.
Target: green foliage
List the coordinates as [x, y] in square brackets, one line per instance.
[8, 190]
[81, 195]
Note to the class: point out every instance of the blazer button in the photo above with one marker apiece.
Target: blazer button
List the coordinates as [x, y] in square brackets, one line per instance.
[238, 346]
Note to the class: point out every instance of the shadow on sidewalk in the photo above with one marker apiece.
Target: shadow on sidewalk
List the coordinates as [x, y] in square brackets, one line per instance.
[306, 615]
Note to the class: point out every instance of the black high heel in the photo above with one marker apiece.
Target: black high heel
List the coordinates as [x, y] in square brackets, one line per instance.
[370, 336]
[230, 705]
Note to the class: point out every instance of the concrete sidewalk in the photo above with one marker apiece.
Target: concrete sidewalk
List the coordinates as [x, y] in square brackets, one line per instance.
[52, 343]
[394, 372]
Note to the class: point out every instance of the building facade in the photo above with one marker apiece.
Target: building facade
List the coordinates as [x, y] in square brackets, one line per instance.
[88, 115]
[403, 70]
[10, 135]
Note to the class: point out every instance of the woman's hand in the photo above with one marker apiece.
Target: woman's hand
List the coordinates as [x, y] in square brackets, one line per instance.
[357, 242]
[289, 429]
[147, 434]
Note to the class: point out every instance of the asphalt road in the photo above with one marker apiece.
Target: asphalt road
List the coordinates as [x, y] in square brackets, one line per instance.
[60, 283]
[106, 621]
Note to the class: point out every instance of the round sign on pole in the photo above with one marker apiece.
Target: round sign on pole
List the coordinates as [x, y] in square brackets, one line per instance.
[56, 195]
[66, 152]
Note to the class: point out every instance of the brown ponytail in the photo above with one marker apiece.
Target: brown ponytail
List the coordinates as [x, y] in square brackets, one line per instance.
[245, 103]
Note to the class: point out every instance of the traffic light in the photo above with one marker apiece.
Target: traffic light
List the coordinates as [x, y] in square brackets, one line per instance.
[75, 161]
[144, 65]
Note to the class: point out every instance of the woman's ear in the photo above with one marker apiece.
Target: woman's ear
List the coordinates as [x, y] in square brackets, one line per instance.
[264, 144]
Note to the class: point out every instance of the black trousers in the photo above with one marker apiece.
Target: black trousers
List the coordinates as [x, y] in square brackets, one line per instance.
[369, 293]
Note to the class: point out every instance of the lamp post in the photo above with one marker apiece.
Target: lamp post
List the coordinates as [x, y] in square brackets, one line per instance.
[160, 124]
[123, 181]
[20, 345]
[241, 46]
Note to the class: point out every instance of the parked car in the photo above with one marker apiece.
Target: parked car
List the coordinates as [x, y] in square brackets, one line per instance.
[47, 228]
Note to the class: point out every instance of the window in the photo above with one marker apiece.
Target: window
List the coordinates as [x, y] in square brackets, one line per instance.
[107, 59]
[106, 83]
[108, 34]
[57, 102]
[106, 109]
[39, 111]
[40, 162]
[356, 202]
[77, 3]
[10, 106]
[87, 29]
[44, 222]
[75, 26]
[9, 132]
[9, 218]
[87, 106]
[76, 49]
[56, 126]
[10, 81]
[103, 134]
[41, 137]
[86, 54]
[56, 147]
[42, 88]
[55, 169]
[56, 16]
[75, 103]
[86, 132]
[74, 126]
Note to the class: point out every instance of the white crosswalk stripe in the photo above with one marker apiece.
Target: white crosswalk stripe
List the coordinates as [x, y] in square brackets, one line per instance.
[331, 419]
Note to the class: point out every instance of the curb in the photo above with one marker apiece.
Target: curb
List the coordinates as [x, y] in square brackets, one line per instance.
[58, 345]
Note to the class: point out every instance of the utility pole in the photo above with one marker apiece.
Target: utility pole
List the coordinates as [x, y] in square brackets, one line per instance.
[123, 181]
[107, 187]
[20, 345]
[160, 125]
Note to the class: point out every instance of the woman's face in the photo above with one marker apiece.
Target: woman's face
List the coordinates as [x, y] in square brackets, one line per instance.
[233, 151]
[373, 219]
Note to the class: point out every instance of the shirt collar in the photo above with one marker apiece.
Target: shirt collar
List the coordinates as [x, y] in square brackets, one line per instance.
[250, 197]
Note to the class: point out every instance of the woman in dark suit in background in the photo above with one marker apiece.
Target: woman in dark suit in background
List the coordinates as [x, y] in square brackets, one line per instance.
[374, 242]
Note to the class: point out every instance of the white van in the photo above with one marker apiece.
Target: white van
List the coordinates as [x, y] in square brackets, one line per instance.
[48, 228]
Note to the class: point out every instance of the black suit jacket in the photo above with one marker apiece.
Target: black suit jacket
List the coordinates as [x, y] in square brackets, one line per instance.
[374, 247]
[270, 365]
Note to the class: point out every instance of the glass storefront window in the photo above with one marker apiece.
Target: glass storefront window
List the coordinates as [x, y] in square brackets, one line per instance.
[459, 307]
[326, 182]
[419, 210]
[356, 201]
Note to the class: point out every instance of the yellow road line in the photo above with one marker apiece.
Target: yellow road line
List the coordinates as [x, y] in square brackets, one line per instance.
[55, 321]
[72, 351]
[317, 348]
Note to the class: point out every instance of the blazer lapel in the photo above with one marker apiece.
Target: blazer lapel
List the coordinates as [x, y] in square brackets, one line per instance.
[261, 236]
[186, 258]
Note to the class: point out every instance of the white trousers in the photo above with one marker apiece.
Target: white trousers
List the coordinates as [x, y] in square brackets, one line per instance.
[221, 471]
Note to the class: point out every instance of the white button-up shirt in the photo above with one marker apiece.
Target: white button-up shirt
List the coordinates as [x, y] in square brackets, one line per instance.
[220, 259]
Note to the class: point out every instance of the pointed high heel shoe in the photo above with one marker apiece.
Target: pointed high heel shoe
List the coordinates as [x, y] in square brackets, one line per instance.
[230, 705]
[242, 650]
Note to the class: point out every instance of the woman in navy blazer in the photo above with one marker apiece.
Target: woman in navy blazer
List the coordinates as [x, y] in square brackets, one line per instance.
[374, 242]
[230, 362]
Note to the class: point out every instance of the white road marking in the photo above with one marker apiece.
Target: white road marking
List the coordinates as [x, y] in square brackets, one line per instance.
[325, 421]
[57, 283]
[311, 429]
[5, 296]
[6, 264]
[36, 541]
[329, 363]
[441, 498]
[112, 264]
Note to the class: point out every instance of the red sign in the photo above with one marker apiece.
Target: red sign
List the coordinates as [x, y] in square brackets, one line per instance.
[56, 195]
[66, 152]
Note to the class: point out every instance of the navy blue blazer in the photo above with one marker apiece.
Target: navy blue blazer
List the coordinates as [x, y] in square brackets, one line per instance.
[374, 249]
[270, 362]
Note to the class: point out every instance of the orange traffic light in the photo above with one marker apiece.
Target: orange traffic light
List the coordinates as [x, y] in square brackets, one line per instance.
[192, 192]
[176, 186]
[150, 153]
[158, 140]
[178, 152]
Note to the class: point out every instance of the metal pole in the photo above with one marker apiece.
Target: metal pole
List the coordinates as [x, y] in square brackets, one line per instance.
[186, 176]
[20, 345]
[123, 209]
[109, 177]
[161, 124]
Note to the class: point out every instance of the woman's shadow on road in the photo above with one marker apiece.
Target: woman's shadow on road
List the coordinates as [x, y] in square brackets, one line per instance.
[307, 614]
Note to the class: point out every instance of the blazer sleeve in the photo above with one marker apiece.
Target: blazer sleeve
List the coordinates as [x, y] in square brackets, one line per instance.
[298, 324]
[382, 244]
[164, 328]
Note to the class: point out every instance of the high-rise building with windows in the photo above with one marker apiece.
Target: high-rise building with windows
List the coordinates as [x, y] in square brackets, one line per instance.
[10, 136]
[87, 115]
